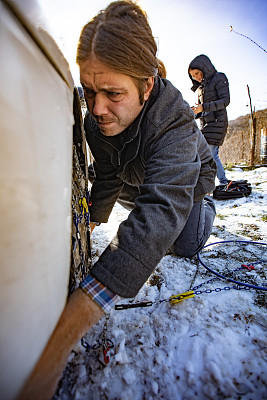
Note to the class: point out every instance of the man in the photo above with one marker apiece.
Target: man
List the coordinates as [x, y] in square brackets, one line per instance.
[149, 156]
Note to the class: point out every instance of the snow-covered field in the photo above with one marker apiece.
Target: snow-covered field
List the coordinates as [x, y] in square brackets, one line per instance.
[211, 346]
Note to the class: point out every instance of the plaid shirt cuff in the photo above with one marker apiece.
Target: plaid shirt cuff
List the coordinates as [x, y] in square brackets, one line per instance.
[99, 293]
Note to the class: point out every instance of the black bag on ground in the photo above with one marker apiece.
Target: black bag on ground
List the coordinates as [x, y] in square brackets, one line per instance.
[233, 190]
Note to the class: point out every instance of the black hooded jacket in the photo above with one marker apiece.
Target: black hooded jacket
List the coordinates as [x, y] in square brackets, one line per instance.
[213, 94]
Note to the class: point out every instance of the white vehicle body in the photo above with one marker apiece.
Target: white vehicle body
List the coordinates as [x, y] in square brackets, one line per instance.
[36, 119]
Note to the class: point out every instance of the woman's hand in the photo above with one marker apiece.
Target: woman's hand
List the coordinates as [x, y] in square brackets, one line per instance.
[197, 108]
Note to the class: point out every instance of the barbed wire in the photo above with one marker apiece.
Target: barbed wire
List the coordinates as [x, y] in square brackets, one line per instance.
[241, 34]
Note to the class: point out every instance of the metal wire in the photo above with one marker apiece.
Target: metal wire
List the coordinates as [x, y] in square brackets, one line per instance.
[227, 278]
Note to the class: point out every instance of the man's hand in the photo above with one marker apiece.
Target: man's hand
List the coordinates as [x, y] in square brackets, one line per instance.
[92, 226]
[198, 108]
[79, 315]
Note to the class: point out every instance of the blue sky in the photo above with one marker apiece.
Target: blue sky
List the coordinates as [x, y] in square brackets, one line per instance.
[183, 29]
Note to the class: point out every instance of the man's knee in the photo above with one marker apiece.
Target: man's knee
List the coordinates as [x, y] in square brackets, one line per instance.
[210, 212]
[188, 245]
[187, 252]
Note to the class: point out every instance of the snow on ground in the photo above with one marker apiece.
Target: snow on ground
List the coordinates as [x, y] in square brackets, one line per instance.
[211, 346]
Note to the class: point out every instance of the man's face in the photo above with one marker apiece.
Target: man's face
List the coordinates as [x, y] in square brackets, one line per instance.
[112, 98]
[196, 74]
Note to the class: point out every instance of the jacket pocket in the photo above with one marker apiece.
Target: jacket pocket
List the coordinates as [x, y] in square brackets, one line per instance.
[209, 117]
[133, 173]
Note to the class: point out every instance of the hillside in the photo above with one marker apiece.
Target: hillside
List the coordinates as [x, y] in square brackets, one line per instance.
[236, 146]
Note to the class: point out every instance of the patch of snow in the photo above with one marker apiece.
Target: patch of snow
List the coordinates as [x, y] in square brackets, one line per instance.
[212, 346]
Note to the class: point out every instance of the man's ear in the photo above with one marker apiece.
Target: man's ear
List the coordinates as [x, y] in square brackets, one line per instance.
[149, 87]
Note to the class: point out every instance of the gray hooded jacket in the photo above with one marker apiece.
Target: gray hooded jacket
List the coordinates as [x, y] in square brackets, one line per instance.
[166, 158]
[213, 93]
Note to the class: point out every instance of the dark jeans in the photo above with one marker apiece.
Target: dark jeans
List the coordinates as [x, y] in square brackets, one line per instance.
[197, 229]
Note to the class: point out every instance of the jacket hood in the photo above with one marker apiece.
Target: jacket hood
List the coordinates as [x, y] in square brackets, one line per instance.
[203, 63]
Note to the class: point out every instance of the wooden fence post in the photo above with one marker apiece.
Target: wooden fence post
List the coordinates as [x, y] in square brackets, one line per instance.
[252, 123]
[263, 152]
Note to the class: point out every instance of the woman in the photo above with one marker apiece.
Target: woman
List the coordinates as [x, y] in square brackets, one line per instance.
[213, 98]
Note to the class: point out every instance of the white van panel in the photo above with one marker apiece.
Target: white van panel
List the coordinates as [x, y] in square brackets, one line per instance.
[35, 200]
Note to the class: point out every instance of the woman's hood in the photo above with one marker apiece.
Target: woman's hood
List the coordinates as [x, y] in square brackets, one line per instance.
[203, 63]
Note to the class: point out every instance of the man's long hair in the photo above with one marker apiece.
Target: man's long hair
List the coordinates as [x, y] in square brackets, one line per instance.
[120, 37]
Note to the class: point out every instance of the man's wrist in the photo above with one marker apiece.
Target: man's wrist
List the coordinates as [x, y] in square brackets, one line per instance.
[99, 293]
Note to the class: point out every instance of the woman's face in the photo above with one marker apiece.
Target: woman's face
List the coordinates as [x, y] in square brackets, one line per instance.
[196, 74]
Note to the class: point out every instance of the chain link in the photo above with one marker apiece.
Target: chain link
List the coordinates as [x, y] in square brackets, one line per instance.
[80, 211]
[79, 171]
[103, 342]
[207, 291]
